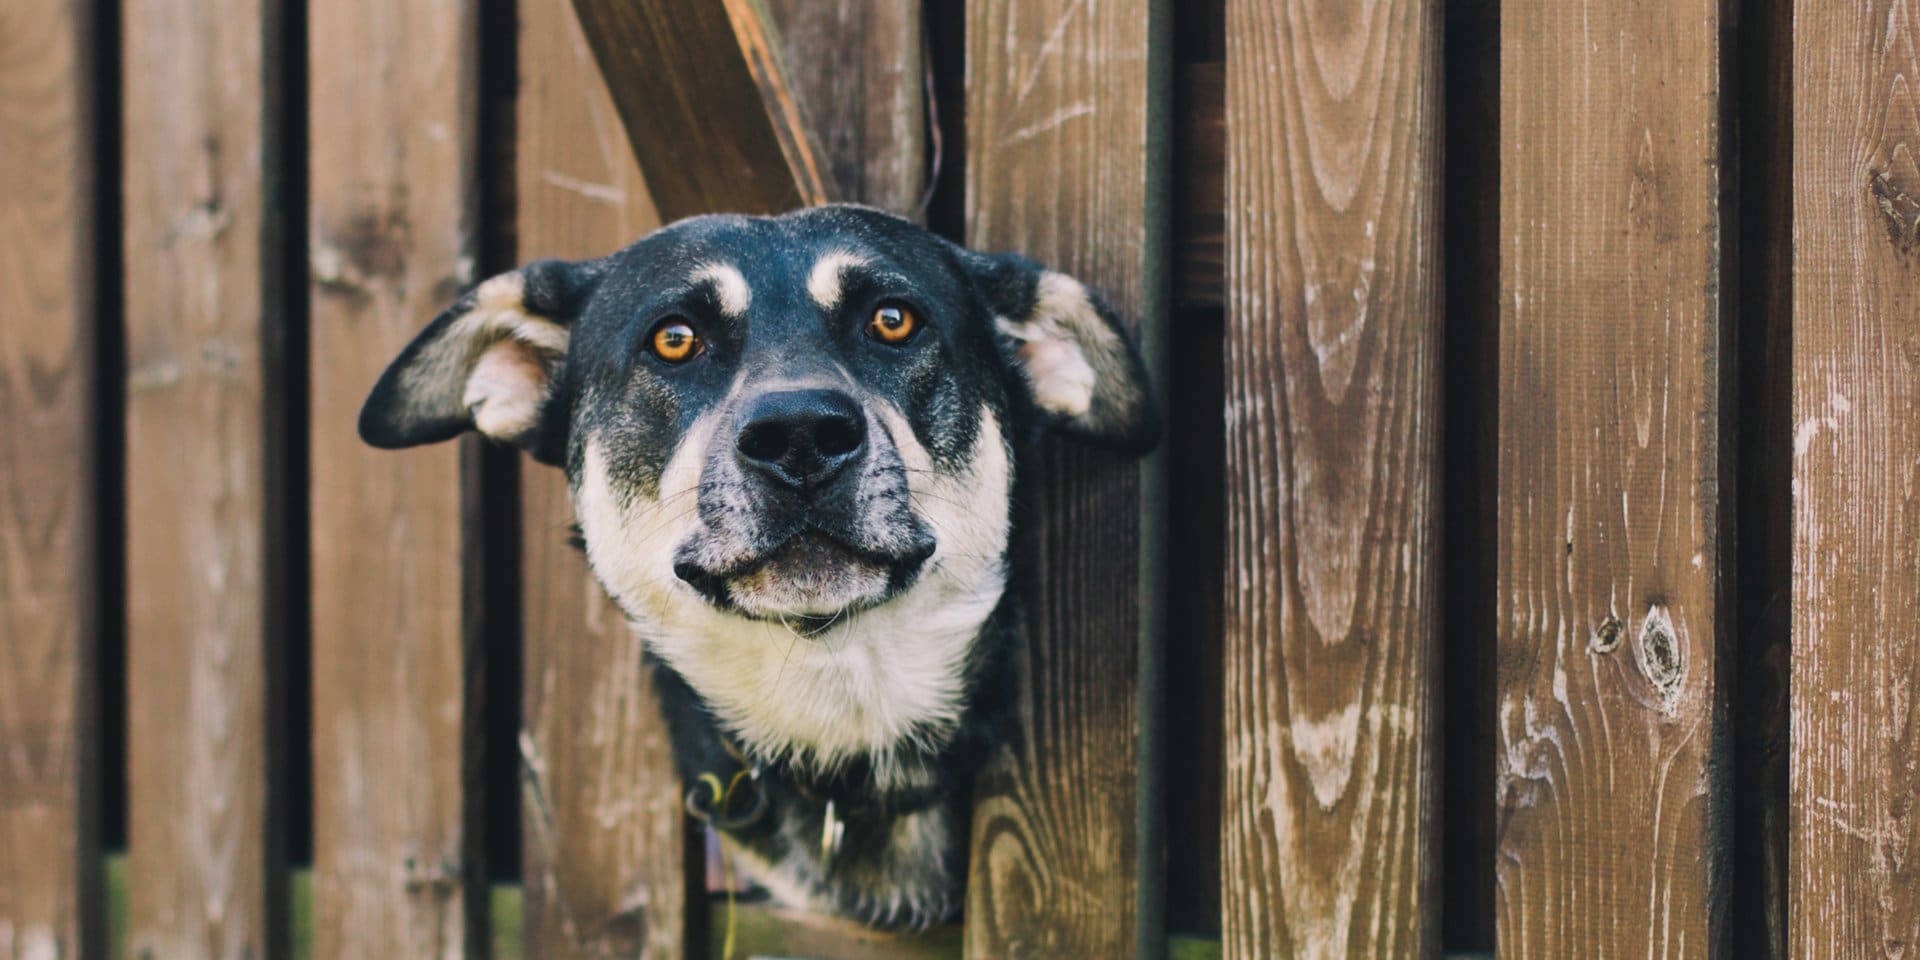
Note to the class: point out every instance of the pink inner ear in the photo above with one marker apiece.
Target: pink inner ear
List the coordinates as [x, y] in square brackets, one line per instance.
[506, 389]
[1062, 380]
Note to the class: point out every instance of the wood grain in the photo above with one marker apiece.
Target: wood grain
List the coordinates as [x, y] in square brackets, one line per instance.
[1332, 365]
[1063, 102]
[1610, 770]
[392, 118]
[49, 890]
[604, 833]
[198, 824]
[699, 90]
[870, 121]
[1855, 888]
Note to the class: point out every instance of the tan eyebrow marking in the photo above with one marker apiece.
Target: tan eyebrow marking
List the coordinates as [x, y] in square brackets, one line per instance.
[729, 285]
[823, 282]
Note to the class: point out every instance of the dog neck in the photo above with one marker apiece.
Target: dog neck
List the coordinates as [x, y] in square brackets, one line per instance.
[899, 776]
[872, 700]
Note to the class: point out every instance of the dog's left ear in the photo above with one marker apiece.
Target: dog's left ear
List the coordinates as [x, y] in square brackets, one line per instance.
[489, 362]
[1082, 370]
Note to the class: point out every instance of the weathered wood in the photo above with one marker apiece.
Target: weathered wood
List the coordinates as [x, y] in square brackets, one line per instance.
[1333, 338]
[201, 883]
[604, 835]
[699, 90]
[1063, 102]
[1856, 475]
[870, 121]
[393, 89]
[49, 623]
[1611, 791]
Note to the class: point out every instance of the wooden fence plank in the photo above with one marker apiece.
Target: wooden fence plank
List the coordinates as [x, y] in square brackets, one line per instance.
[870, 122]
[1855, 887]
[1064, 102]
[393, 89]
[1610, 767]
[1333, 340]
[706, 75]
[198, 825]
[49, 890]
[605, 835]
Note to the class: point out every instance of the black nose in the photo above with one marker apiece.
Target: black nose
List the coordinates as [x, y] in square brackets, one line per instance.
[801, 438]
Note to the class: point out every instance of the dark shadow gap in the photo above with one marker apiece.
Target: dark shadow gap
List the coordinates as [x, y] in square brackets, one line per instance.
[1757, 459]
[287, 198]
[492, 507]
[945, 27]
[101, 64]
[1470, 71]
[286, 632]
[1193, 647]
[500, 515]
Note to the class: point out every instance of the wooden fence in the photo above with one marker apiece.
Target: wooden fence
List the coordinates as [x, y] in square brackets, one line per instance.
[1534, 375]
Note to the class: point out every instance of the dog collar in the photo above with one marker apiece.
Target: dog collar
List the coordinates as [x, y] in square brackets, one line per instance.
[715, 798]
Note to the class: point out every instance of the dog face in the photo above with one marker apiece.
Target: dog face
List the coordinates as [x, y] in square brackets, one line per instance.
[790, 444]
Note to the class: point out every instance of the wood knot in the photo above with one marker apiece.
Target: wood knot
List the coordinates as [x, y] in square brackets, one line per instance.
[1899, 211]
[1607, 638]
[439, 880]
[1662, 657]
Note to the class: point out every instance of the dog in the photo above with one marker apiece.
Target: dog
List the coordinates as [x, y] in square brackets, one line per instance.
[791, 446]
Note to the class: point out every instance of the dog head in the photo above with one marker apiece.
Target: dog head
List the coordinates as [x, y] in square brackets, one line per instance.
[789, 442]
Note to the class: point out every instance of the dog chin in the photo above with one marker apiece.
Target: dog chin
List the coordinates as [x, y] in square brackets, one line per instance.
[811, 579]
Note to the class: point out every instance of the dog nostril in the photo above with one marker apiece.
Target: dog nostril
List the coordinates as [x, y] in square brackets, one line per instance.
[766, 442]
[837, 436]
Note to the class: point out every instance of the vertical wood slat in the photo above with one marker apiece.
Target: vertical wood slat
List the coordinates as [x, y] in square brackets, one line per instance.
[200, 879]
[49, 622]
[1063, 102]
[1332, 425]
[393, 91]
[605, 835]
[1855, 887]
[1609, 595]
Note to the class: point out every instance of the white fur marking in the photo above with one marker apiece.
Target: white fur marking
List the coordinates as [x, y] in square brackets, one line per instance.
[495, 360]
[867, 684]
[729, 285]
[823, 281]
[506, 390]
[1066, 349]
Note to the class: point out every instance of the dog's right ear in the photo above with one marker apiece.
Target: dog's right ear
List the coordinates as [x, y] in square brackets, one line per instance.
[489, 363]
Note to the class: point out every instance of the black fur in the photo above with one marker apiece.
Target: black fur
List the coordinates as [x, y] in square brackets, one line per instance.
[636, 410]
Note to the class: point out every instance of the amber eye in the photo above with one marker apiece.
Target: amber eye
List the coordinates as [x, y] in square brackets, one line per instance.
[892, 323]
[674, 341]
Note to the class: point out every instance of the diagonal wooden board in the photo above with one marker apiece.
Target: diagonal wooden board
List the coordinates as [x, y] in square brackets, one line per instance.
[706, 106]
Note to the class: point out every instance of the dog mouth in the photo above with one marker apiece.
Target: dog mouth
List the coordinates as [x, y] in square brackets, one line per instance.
[811, 580]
